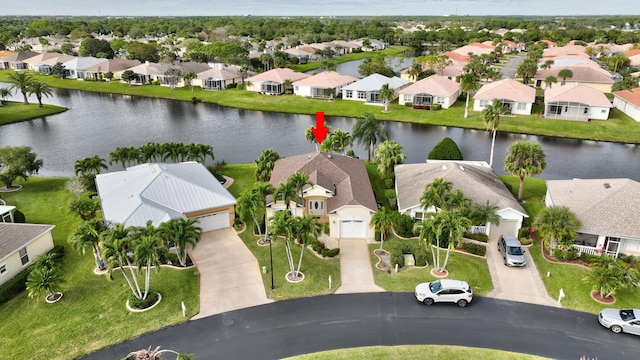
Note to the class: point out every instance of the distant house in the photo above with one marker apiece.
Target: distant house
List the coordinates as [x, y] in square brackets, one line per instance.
[165, 74]
[584, 71]
[218, 78]
[435, 89]
[516, 96]
[475, 48]
[628, 101]
[15, 60]
[634, 57]
[272, 82]
[368, 89]
[42, 63]
[97, 71]
[160, 192]
[303, 56]
[324, 85]
[341, 194]
[476, 180]
[74, 68]
[20, 244]
[576, 102]
[607, 212]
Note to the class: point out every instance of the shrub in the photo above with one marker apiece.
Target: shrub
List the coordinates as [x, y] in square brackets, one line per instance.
[14, 287]
[446, 149]
[319, 248]
[436, 107]
[18, 217]
[351, 153]
[525, 241]
[588, 258]
[475, 249]
[408, 104]
[388, 183]
[326, 228]
[479, 237]
[232, 86]
[390, 194]
[403, 225]
[565, 254]
[330, 252]
[399, 248]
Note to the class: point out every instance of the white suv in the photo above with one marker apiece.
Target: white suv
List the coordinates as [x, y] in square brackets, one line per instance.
[444, 290]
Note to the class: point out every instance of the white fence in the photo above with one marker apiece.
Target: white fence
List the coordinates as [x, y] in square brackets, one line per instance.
[478, 230]
[586, 249]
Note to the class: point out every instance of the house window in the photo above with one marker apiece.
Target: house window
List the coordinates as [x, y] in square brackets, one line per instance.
[407, 98]
[3, 269]
[348, 94]
[362, 95]
[484, 103]
[439, 100]
[24, 257]
[586, 111]
[566, 109]
[522, 106]
[603, 111]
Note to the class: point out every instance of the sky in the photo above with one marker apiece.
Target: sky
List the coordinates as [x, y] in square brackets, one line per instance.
[318, 7]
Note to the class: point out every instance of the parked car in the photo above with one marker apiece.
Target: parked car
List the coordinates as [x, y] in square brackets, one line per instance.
[621, 320]
[511, 250]
[444, 290]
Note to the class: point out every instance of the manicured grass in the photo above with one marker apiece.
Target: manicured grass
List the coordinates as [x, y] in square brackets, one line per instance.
[433, 352]
[13, 111]
[377, 184]
[315, 269]
[92, 313]
[619, 127]
[472, 269]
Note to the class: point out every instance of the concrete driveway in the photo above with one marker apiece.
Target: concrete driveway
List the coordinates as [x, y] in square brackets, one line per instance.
[356, 273]
[230, 276]
[516, 283]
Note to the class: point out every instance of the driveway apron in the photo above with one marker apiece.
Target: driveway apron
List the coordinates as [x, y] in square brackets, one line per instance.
[356, 274]
[516, 283]
[229, 274]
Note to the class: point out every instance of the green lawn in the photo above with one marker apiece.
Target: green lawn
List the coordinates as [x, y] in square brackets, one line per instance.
[92, 312]
[13, 111]
[432, 352]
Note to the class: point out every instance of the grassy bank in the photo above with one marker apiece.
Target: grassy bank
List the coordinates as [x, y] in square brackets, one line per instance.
[13, 111]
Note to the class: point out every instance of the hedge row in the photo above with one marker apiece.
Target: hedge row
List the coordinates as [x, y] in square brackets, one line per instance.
[475, 249]
[319, 248]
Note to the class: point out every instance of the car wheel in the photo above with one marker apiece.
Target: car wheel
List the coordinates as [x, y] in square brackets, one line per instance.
[462, 303]
[428, 301]
[616, 329]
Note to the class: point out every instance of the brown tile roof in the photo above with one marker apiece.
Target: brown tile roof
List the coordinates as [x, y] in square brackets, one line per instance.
[509, 89]
[15, 236]
[631, 96]
[348, 174]
[603, 206]
[278, 75]
[576, 93]
[435, 85]
[582, 72]
[19, 56]
[478, 183]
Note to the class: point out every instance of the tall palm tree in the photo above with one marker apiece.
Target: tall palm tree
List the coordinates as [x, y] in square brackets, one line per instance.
[117, 243]
[382, 220]
[483, 214]
[286, 192]
[250, 205]
[550, 80]
[181, 233]
[386, 95]
[429, 233]
[564, 74]
[455, 224]
[491, 117]
[367, 131]
[266, 162]
[469, 83]
[306, 227]
[147, 253]
[308, 134]
[388, 155]
[435, 194]
[557, 224]
[299, 180]
[188, 77]
[4, 94]
[20, 80]
[38, 88]
[88, 235]
[283, 224]
[525, 158]
[90, 166]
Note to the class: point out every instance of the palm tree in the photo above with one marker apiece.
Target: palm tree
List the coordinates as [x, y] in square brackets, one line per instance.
[388, 155]
[429, 232]
[84, 206]
[286, 192]
[455, 224]
[337, 141]
[181, 233]
[251, 205]
[150, 152]
[266, 162]
[367, 131]
[42, 279]
[483, 214]
[386, 94]
[148, 252]
[299, 180]
[557, 224]
[287, 86]
[308, 134]
[188, 77]
[525, 158]
[117, 243]
[4, 94]
[89, 167]
[119, 155]
[38, 88]
[491, 117]
[469, 83]
[564, 74]
[550, 80]
[306, 227]
[283, 224]
[88, 235]
[382, 221]
[20, 80]
[435, 194]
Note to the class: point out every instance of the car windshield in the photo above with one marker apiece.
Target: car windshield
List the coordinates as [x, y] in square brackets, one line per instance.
[627, 315]
[435, 286]
[514, 250]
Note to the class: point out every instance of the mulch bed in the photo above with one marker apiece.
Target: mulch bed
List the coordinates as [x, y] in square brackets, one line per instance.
[597, 296]
[552, 259]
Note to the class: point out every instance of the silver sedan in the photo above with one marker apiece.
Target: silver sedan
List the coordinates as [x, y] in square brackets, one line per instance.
[621, 320]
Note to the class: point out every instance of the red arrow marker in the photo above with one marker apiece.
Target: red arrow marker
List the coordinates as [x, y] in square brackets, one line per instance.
[320, 132]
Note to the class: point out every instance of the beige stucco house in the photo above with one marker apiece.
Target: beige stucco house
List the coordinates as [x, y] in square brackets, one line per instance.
[272, 82]
[576, 102]
[20, 245]
[585, 72]
[341, 193]
[476, 180]
[324, 85]
[607, 212]
[160, 192]
[218, 78]
[518, 97]
[434, 89]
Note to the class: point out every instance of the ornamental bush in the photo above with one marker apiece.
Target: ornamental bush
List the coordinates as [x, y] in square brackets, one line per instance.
[446, 149]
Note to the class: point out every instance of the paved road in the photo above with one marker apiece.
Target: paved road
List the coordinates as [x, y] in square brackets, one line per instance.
[510, 68]
[299, 326]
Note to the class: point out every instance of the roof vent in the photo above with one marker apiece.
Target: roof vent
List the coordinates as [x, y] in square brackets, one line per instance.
[444, 167]
[607, 185]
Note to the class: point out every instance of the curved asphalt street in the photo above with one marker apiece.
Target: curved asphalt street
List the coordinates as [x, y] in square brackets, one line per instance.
[307, 325]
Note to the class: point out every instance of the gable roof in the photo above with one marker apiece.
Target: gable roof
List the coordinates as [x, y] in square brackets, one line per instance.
[374, 82]
[577, 93]
[475, 48]
[224, 73]
[509, 89]
[279, 75]
[114, 65]
[348, 174]
[609, 208]
[582, 72]
[631, 96]
[435, 85]
[159, 192]
[19, 56]
[81, 63]
[327, 79]
[478, 183]
[14, 236]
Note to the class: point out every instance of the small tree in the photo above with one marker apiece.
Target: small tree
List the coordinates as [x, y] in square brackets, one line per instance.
[4, 94]
[386, 94]
[84, 206]
[181, 233]
[564, 74]
[491, 117]
[108, 75]
[525, 158]
[128, 76]
[45, 276]
[58, 70]
[446, 149]
[382, 221]
[17, 162]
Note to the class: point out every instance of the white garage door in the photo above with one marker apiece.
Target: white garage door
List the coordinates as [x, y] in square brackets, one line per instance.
[509, 227]
[353, 229]
[214, 221]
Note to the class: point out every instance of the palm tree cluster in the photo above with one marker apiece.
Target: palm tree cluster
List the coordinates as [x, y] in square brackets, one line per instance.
[28, 85]
[266, 162]
[300, 229]
[368, 131]
[154, 152]
[116, 246]
[45, 276]
[337, 141]
[608, 274]
[251, 204]
[558, 226]
[388, 155]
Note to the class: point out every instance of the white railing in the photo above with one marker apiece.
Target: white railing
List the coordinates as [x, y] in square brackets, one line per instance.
[478, 230]
[586, 249]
